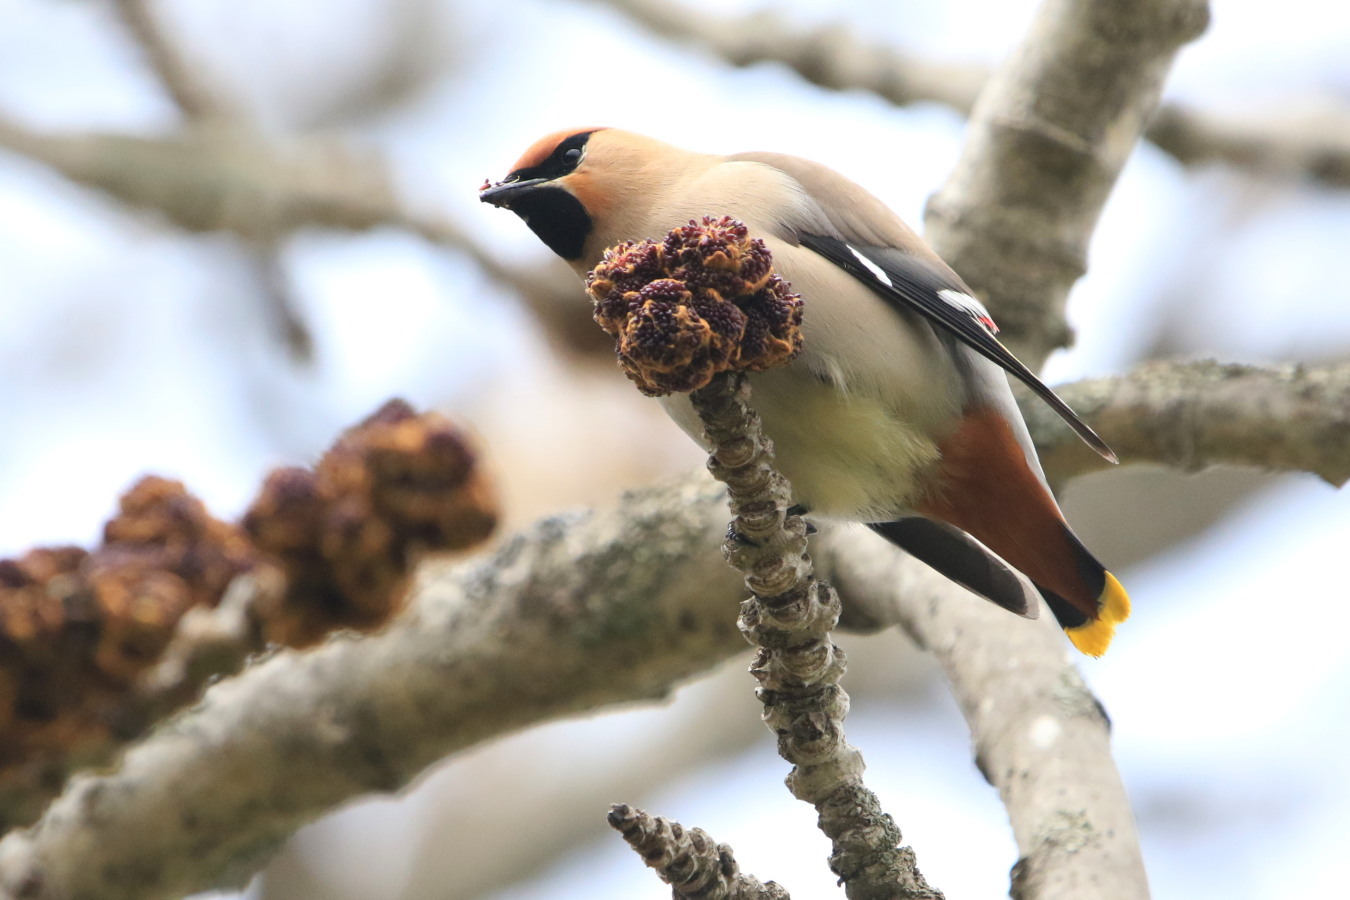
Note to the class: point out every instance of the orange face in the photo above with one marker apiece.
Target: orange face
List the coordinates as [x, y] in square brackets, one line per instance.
[549, 192]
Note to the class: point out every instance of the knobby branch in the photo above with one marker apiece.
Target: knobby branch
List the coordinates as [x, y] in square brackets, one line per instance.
[694, 313]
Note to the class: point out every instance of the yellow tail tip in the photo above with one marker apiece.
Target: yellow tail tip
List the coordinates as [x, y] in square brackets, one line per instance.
[1113, 607]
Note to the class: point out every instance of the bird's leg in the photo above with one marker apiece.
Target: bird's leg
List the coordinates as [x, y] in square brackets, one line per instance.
[800, 511]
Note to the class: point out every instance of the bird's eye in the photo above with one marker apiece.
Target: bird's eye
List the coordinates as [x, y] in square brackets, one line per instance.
[572, 156]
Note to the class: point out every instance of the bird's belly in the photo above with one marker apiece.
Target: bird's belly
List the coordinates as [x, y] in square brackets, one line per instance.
[848, 455]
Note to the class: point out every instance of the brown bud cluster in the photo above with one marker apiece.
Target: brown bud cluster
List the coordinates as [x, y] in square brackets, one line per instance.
[702, 301]
[346, 534]
[162, 554]
[77, 627]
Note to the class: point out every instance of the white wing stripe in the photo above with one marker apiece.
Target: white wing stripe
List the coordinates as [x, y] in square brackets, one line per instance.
[871, 267]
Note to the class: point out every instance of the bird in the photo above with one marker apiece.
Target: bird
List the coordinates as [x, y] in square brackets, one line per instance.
[898, 413]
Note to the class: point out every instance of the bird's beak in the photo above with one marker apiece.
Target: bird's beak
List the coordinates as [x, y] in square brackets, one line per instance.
[508, 192]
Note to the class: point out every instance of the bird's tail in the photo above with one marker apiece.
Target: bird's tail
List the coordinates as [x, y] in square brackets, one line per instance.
[1087, 601]
[987, 489]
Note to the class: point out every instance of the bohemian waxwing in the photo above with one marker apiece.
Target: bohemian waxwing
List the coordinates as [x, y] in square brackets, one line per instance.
[897, 413]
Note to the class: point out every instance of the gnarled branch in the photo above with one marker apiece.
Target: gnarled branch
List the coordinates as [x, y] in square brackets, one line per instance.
[688, 859]
[1047, 140]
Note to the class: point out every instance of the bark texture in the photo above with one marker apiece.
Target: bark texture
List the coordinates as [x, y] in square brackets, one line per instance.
[689, 860]
[1190, 415]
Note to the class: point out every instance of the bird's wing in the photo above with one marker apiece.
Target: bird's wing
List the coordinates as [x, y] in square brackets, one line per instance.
[910, 283]
[859, 234]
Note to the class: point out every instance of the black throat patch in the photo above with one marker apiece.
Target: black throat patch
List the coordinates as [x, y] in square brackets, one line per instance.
[558, 218]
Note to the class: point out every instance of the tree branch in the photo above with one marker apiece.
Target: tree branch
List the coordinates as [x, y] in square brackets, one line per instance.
[1040, 736]
[231, 178]
[1046, 141]
[1190, 415]
[1312, 144]
[832, 56]
[186, 85]
[1176, 414]
[790, 616]
[576, 613]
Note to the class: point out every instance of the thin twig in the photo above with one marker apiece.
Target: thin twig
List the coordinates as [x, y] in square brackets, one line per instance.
[288, 325]
[186, 84]
[692, 863]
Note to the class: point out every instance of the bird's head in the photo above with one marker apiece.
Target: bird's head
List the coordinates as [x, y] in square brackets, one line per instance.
[583, 189]
[542, 188]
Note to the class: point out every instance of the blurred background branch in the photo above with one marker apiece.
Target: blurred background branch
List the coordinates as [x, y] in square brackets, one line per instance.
[230, 177]
[188, 84]
[1270, 141]
[1298, 140]
[829, 56]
